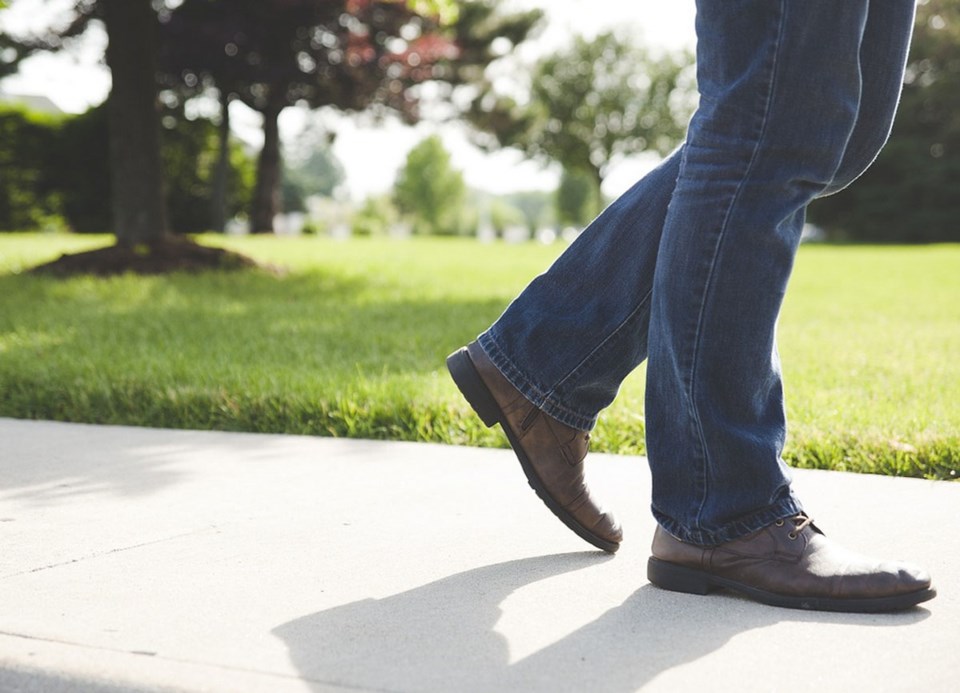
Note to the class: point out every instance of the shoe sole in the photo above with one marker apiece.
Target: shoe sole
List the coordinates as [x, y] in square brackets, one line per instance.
[678, 578]
[478, 396]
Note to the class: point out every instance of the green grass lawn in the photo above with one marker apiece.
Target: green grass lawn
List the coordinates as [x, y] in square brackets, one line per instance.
[351, 341]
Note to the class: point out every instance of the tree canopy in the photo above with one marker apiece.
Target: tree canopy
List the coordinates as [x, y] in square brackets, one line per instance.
[352, 55]
[429, 190]
[311, 168]
[593, 102]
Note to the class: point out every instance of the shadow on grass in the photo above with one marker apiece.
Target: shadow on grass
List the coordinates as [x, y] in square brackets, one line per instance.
[302, 321]
[241, 351]
[174, 254]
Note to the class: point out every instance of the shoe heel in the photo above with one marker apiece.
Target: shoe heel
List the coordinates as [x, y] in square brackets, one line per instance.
[471, 385]
[677, 578]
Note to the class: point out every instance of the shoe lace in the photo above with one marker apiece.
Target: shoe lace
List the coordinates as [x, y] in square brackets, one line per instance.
[801, 522]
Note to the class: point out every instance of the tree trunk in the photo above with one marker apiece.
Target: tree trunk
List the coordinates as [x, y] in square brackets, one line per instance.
[139, 208]
[221, 176]
[266, 193]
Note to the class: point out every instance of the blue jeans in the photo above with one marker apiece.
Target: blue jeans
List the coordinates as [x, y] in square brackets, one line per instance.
[688, 268]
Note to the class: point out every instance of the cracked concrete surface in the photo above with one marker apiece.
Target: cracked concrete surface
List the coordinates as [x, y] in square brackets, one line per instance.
[100, 554]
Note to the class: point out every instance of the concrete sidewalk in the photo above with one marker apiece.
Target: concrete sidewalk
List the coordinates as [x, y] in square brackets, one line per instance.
[140, 560]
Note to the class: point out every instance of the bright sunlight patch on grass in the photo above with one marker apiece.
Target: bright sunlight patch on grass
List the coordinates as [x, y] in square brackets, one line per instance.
[351, 341]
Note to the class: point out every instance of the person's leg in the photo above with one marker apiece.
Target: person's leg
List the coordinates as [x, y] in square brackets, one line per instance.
[572, 336]
[577, 330]
[795, 106]
[780, 107]
[883, 58]
[558, 353]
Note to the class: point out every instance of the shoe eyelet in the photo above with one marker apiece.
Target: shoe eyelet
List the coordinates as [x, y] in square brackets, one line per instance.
[779, 523]
[792, 535]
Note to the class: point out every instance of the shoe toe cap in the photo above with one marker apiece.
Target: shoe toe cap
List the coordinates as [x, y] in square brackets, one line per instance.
[911, 578]
[608, 527]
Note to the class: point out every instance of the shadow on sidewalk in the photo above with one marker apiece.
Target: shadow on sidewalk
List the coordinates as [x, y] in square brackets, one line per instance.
[441, 637]
[45, 461]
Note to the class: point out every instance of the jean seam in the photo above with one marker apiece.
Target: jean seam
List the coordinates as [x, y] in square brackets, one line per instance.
[698, 338]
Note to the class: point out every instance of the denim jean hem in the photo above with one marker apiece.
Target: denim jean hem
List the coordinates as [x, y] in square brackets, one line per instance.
[741, 527]
[535, 395]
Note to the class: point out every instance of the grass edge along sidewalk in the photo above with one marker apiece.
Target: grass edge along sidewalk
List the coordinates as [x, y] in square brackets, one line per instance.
[351, 342]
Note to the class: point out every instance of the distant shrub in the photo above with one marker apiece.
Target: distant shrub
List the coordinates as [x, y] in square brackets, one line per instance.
[55, 172]
[28, 195]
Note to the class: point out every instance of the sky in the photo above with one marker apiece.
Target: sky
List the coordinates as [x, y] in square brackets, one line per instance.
[372, 153]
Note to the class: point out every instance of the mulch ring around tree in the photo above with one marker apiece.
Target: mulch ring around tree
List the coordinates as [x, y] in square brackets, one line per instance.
[173, 255]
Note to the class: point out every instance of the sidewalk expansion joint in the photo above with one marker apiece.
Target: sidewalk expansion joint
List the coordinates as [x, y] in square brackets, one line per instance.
[101, 554]
[152, 655]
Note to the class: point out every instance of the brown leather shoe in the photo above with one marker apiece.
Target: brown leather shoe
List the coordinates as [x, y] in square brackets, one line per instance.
[550, 453]
[791, 564]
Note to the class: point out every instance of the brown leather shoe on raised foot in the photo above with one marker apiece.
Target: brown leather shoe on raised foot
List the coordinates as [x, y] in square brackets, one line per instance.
[791, 564]
[550, 453]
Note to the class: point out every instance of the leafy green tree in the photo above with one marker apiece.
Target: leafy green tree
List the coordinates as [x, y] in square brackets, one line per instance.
[82, 173]
[310, 167]
[139, 211]
[375, 217]
[536, 206]
[353, 55]
[272, 54]
[429, 190]
[189, 154]
[447, 10]
[27, 154]
[12, 53]
[577, 200]
[504, 215]
[594, 102]
[319, 174]
[57, 167]
[909, 195]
